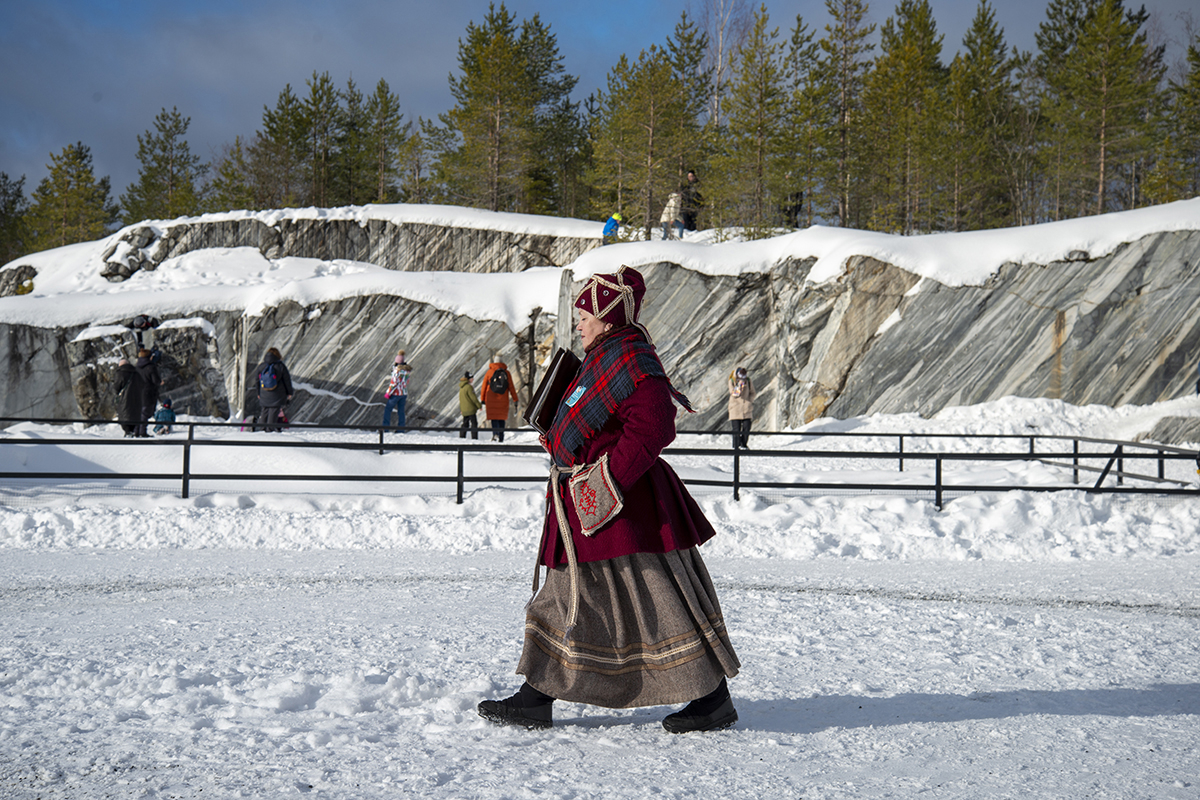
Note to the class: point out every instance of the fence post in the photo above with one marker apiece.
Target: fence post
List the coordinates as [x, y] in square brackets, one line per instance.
[381, 441]
[187, 459]
[737, 472]
[937, 481]
[902, 452]
[1075, 459]
[460, 475]
[1120, 465]
[1161, 473]
[1030, 445]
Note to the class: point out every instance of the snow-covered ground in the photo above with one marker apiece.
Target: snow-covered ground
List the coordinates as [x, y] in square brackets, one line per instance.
[273, 640]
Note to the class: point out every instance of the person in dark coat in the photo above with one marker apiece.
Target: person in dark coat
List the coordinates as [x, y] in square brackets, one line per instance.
[129, 387]
[692, 200]
[151, 381]
[274, 389]
[629, 616]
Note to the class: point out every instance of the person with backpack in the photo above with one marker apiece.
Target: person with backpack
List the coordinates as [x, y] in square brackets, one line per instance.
[396, 394]
[469, 405]
[274, 390]
[497, 388]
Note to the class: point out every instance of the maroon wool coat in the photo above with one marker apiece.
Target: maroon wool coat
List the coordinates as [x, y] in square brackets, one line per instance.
[659, 515]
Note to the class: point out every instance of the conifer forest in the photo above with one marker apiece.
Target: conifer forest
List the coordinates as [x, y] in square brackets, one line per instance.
[785, 122]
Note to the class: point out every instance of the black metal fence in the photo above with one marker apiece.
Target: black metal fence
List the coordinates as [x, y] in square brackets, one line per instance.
[1105, 458]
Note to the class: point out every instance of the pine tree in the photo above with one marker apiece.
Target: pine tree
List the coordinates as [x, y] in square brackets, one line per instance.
[70, 205]
[845, 67]
[980, 128]
[1060, 160]
[489, 129]
[637, 138]
[232, 187]
[1111, 80]
[166, 185]
[386, 136]
[558, 134]
[749, 173]
[903, 98]
[13, 210]
[323, 124]
[1183, 124]
[686, 49]
[351, 177]
[808, 136]
[278, 154]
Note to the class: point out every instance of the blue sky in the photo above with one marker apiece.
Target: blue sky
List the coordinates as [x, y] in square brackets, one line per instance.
[98, 71]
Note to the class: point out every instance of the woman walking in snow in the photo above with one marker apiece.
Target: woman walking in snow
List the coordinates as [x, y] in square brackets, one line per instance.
[628, 616]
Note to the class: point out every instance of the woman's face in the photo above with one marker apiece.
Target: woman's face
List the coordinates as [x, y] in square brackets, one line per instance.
[590, 327]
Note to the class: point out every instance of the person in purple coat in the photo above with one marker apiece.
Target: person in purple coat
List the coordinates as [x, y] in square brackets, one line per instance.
[628, 616]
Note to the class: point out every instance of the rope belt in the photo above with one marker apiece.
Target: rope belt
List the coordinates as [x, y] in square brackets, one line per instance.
[564, 530]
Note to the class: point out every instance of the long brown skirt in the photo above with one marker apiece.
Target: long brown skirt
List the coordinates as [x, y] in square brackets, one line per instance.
[649, 632]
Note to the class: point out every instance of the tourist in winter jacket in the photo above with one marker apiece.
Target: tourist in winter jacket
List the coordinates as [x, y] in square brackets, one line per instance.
[741, 406]
[129, 387]
[164, 417]
[469, 405]
[274, 389]
[628, 616]
[151, 381]
[496, 391]
[395, 396]
[691, 201]
[672, 217]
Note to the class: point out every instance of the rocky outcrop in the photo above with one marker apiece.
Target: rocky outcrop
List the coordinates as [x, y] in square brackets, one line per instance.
[408, 246]
[1174, 430]
[1120, 329]
[18, 280]
[35, 369]
[189, 366]
[340, 355]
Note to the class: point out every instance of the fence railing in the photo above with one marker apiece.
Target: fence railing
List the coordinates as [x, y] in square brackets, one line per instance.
[1106, 458]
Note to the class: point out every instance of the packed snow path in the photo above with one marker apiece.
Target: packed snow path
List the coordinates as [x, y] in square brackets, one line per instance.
[350, 673]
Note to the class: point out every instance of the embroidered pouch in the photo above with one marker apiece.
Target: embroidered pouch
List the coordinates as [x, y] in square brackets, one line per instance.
[596, 496]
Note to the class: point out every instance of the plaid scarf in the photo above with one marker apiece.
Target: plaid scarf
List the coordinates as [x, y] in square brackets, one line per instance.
[608, 375]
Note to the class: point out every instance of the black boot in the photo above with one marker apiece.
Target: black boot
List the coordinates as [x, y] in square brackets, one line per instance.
[528, 707]
[712, 712]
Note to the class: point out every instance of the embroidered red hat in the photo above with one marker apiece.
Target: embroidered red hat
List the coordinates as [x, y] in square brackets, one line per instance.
[614, 298]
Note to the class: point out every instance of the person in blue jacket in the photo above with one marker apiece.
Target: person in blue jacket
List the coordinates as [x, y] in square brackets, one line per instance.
[611, 227]
[164, 418]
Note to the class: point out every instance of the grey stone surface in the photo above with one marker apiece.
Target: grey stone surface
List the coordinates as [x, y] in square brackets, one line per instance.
[340, 355]
[36, 373]
[407, 246]
[1120, 329]
[190, 369]
[1174, 430]
[13, 279]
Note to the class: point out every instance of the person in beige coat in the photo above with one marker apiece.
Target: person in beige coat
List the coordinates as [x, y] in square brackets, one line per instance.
[741, 406]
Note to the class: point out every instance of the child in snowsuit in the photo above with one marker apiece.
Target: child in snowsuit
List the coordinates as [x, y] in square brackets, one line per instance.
[164, 417]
